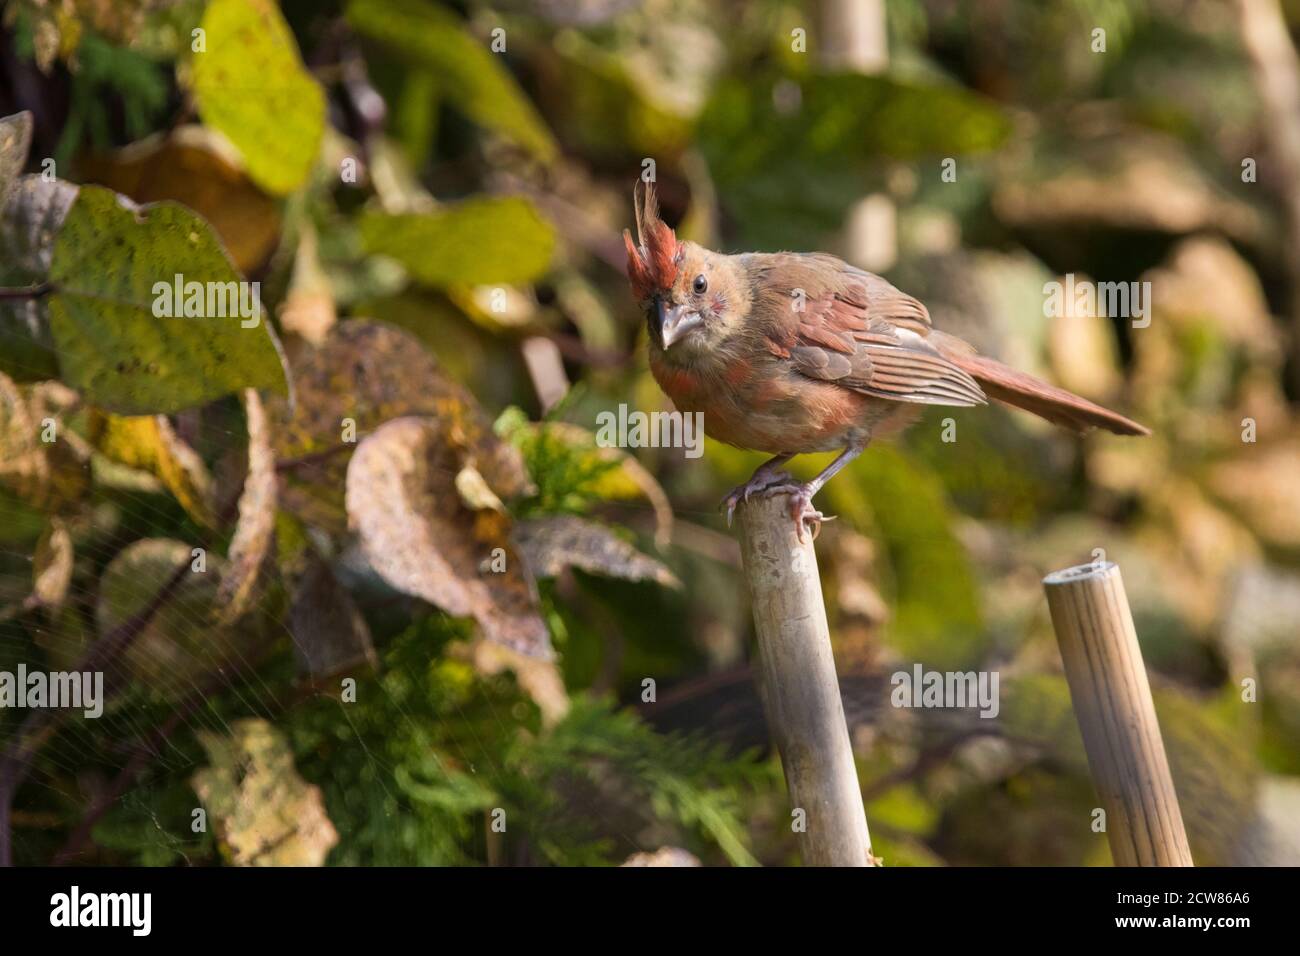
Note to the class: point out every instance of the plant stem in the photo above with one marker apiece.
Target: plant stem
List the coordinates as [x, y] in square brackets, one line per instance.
[30, 292]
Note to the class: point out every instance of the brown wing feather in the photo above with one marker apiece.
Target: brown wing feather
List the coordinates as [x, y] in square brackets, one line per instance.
[868, 336]
[860, 332]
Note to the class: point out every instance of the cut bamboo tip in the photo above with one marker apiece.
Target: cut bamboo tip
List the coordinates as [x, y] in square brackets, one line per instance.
[1095, 569]
[1117, 717]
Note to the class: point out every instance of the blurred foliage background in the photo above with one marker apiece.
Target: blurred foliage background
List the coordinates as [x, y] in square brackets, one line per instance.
[430, 196]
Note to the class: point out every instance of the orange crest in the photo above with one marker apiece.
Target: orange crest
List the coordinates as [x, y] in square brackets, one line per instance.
[651, 264]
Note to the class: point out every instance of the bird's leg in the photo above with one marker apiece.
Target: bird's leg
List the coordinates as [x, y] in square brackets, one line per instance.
[765, 475]
[801, 495]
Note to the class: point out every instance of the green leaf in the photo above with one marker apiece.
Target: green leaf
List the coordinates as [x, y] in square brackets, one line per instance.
[606, 111]
[473, 78]
[786, 173]
[111, 261]
[250, 85]
[847, 117]
[475, 242]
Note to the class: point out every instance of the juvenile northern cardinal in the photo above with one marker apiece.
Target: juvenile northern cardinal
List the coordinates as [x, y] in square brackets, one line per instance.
[792, 353]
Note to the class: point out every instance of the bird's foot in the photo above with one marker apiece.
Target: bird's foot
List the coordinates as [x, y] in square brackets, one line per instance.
[802, 510]
[801, 495]
[758, 484]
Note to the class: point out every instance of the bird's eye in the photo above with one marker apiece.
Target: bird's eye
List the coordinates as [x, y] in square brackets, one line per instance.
[700, 285]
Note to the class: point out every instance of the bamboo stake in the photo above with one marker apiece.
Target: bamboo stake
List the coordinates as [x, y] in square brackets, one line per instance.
[1112, 701]
[800, 690]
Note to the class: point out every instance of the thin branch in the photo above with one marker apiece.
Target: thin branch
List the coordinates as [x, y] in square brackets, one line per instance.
[30, 292]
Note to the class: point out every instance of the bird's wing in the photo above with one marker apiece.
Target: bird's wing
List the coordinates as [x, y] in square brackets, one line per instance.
[853, 328]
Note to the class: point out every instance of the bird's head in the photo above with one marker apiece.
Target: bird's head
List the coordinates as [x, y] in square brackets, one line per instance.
[693, 298]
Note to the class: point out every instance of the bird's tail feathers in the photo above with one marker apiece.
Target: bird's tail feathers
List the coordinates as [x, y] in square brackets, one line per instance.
[1046, 401]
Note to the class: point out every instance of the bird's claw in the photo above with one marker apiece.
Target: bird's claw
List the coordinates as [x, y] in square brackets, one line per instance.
[759, 484]
[803, 513]
[766, 486]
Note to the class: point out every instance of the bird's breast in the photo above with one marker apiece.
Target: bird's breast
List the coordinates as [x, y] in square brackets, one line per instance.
[765, 407]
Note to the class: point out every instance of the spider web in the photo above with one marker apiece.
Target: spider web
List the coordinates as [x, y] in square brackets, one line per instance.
[108, 768]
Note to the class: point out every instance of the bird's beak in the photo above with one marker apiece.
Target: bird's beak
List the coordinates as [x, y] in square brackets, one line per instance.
[674, 322]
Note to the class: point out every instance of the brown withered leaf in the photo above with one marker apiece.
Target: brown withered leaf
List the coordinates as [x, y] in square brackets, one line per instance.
[364, 374]
[555, 542]
[50, 475]
[264, 813]
[32, 215]
[149, 443]
[15, 143]
[52, 564]
[420, 537]
[24, 469]
[193, 167]
[256, 525]
[329, 634]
